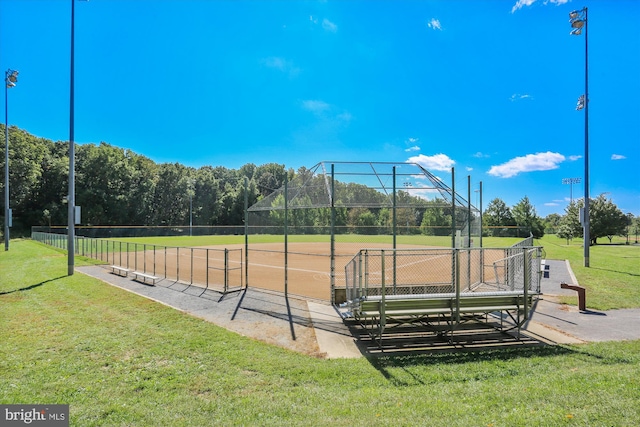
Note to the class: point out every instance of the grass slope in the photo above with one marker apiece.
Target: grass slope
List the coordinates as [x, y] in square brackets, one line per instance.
[119, 359]
[613, 278]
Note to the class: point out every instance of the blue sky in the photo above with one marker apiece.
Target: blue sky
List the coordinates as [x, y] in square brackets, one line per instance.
[487, 87]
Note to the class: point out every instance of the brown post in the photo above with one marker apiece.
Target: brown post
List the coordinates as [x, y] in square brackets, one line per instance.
[582, 297]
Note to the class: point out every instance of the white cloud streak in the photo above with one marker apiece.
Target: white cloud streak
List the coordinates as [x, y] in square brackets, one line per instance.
[528, 163]
[517, 96]
[315, 106]
[618, 157]
[522, 3]
[439, 162]
[434, 24]
[329, 26]
[413, 147]
[281, 64]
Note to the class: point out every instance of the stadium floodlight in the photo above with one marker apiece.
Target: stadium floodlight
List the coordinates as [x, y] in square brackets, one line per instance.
[571, 181]
[578, 20]
[10, 78]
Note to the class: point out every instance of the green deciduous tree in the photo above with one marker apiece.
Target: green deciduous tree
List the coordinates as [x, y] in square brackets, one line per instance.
[525, 216]
[498, 217]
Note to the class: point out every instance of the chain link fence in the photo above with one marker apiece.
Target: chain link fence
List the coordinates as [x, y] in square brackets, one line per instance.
[445, 270]
[219, 270]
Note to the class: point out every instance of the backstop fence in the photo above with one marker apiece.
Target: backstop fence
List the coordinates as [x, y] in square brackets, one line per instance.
[346, 206]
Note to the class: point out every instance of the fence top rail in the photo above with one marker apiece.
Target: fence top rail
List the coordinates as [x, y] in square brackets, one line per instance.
[446, 295]
[520, 249]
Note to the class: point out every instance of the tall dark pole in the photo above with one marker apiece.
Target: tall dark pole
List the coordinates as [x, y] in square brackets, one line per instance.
[6, 162]
[72, 155]
[587, 237]
[579, 22]
[10, 79]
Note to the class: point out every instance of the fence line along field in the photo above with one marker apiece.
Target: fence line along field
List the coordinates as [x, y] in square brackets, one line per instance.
[300, 268]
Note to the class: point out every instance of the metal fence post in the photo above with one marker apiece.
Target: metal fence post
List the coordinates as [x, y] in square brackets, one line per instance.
[226, 270]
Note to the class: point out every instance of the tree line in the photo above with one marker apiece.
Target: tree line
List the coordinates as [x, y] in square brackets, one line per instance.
[605, 220]
[116, 186]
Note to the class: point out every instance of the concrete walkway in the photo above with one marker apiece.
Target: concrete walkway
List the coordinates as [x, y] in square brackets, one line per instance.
[316, 329]
[586, 326]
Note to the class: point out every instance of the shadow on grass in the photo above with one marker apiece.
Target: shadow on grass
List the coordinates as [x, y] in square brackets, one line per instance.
[28, 288]
[616, 271]
[386, 365]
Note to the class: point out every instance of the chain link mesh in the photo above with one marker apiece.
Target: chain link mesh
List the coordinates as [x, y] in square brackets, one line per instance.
[435, 271]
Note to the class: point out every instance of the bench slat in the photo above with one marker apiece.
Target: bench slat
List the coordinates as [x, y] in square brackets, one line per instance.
[144, 277]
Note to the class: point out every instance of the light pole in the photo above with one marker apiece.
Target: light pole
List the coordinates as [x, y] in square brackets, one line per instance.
[72, 155]
[10, 78]
[571, 181]
[71, 199]
[578, 20]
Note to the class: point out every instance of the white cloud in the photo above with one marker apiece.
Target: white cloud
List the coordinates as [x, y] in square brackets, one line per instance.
[315, 106]
[434, 24]
[345, 117]
[480, 155]
[329, 26]
[518, 96]
[528, 163]
[281, 64]
[551, 204]
[468, 169]
[326, 112]
[411, 147]
[521, 3]
[618, 157]
[439, 162]
[574, 158]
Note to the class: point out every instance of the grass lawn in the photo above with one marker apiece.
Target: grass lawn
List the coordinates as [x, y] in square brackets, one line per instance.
[613, 278]
[120, 360]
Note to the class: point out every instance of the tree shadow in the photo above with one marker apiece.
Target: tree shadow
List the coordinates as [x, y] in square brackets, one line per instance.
[28, 288]
[616, 271]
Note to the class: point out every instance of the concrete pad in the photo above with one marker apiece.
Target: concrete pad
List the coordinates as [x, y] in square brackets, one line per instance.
[333, 336]
[548, 335]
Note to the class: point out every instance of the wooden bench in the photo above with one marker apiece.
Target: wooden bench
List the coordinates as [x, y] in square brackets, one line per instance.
[120, 271]
[375, 312]
[143, 278]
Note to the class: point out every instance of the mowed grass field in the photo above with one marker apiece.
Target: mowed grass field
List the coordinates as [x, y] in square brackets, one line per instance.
[120, 360]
